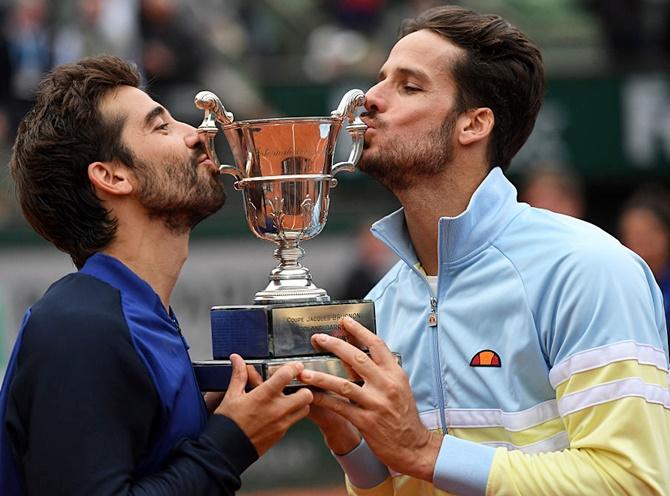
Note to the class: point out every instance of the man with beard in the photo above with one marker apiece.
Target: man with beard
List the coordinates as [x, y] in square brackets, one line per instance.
[100, 396]
[534, 356]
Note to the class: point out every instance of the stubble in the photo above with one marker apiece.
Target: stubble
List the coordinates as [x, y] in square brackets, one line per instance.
[401, 164]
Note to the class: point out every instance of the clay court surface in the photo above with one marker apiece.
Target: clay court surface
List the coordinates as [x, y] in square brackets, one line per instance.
[332, 491]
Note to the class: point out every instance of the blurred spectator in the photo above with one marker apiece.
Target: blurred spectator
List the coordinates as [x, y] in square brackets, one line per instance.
[636, 31]
[94, 27]
[644, 227]
[373, 259]
[228, 72]
[25, 55]
[362, 15]
[557, 189]
[354, 37]
[174, 51]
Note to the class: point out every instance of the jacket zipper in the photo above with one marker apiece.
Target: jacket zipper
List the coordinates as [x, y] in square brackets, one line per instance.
[432, 316]
[432, 324]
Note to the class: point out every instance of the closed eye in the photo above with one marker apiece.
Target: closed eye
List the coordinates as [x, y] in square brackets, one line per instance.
[411, 89]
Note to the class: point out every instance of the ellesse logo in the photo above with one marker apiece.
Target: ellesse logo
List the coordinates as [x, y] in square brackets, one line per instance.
[485, 358]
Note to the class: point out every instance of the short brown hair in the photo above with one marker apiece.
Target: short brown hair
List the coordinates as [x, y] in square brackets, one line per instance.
[56, 141]
[502, 70]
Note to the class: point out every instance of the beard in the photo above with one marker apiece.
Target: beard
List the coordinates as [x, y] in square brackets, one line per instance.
[175, 192]
[401, 164]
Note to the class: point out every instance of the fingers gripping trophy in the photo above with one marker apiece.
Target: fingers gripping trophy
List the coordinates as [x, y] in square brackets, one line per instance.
[284, 169]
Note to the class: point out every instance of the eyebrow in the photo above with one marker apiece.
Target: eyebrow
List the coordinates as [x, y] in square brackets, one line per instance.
[406, 71]
[155, 112]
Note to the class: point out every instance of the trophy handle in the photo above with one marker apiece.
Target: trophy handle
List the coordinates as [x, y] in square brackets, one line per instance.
[214, 112]
[356, 129]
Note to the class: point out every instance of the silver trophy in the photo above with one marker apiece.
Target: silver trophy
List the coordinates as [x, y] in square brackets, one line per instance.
[284, 169]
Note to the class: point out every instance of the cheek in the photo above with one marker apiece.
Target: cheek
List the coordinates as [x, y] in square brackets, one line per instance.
[420, 122]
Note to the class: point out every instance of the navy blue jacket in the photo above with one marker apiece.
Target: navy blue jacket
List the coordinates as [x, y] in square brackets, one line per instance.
[100, 397]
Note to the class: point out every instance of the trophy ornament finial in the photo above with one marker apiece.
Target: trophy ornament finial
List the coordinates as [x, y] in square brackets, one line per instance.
[215, 112]
[214, 109]
[350, 100]
[356, 129]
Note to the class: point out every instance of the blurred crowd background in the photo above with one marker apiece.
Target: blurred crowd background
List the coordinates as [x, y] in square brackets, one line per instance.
[600, 150]
[606, 119]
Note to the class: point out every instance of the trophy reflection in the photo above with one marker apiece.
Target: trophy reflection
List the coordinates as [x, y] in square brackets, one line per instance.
[284, 169]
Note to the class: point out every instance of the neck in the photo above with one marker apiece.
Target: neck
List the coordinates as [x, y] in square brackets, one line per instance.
[446, 195]
[154, 253]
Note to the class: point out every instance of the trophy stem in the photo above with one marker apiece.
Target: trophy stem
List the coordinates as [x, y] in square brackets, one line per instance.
[288, 253]
[290, 282]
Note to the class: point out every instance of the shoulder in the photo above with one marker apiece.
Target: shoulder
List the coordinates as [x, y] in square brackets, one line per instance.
[78, 311]
[540, 242]
[77, 333]
[537, 223]
[584, 287]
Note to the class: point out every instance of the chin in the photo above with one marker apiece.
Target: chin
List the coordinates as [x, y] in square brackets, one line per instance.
[368, 157]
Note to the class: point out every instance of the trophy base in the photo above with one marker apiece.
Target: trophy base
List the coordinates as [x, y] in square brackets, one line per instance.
[214, 375]
[281, 329]
[268, 336]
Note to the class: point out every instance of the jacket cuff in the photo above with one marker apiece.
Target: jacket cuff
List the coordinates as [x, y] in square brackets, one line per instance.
[463, 467]
[224, 432]
[362, 467]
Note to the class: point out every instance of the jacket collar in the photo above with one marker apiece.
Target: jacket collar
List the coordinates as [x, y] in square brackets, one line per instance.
[112, 271]
[492, 206]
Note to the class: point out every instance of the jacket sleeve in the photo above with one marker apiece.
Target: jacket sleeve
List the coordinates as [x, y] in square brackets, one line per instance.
[609, 369]
[365, 474]
[603, 329]
[82, 411]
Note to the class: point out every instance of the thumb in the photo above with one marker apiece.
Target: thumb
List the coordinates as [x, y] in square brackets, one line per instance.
[238, 379]
[212, 400]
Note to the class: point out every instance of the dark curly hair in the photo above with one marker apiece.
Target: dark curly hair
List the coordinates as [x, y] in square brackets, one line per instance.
[61, 135]
[502, 70]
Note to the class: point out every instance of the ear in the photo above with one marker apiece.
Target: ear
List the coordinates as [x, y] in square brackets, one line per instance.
[477, 125]
[110, 177]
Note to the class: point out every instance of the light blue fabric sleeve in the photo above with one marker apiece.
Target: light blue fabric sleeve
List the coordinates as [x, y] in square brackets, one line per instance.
[602, 294]
[362, 467]
[462, 467]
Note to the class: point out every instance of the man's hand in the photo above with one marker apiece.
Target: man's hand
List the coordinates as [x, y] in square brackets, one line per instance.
[340, 436]
[383, 409]
[213, 400]
[265, 413]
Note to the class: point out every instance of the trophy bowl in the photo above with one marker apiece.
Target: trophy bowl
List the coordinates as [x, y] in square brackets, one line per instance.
[284, 169]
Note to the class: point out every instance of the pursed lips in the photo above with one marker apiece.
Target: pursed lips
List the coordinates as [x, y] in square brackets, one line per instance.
[372, 122]
[367, 121]
[373, 128]
[203, 159]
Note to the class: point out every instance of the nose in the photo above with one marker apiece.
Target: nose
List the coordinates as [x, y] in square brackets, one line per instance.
[192, 138]
[374, 101]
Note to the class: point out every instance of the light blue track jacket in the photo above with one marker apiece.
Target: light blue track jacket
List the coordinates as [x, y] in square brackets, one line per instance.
[546, 334]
